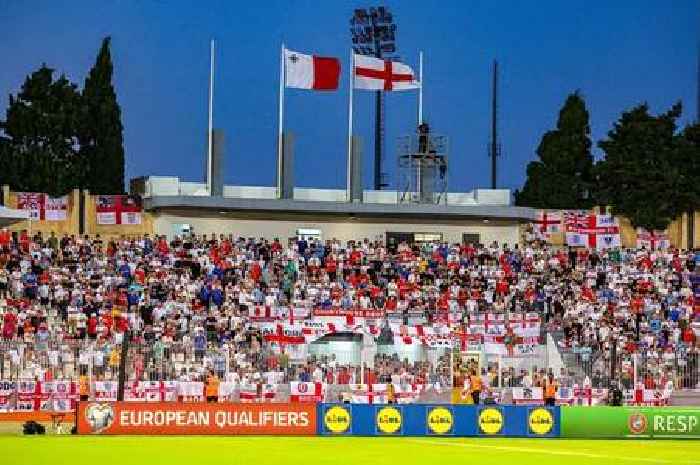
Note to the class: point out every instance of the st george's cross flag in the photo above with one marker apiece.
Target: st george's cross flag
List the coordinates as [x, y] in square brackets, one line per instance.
[600, 232]
[547, 223]
[377, 74]
[652, 240]
[310, 71]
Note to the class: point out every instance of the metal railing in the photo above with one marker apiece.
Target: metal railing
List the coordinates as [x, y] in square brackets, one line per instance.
[183, 361]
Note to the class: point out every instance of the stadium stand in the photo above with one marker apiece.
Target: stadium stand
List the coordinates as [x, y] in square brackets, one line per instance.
[240, 319]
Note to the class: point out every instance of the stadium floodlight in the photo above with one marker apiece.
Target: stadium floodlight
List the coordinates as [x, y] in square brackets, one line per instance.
[374, 33]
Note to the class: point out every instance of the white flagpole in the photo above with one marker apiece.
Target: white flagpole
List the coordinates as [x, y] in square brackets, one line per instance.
[211, 116]
[280, 133]
[420, 89]
[352, 85]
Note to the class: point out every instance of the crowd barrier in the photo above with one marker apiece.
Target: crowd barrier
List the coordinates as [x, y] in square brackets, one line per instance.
[175, 418]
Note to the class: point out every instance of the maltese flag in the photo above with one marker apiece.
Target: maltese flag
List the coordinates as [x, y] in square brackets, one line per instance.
[310, 71]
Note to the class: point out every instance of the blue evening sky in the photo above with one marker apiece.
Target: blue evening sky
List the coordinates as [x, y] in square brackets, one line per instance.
[618, 53]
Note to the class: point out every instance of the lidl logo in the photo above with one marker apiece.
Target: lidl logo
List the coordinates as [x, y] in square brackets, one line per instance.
[540, 421]
[440, 420]
[389, 420]
[337, 420]
[490, 421]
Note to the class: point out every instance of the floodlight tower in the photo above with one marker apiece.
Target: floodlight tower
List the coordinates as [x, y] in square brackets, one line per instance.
[374, 33]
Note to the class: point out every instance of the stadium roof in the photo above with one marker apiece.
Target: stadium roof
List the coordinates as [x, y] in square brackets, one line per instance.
[201, 204]
[171, 194]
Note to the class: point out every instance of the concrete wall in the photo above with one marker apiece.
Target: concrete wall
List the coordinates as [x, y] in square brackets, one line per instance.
[328, 195]
[250, 192]
[342, 229]
[171, 186]
[372, 196]
[492, 196]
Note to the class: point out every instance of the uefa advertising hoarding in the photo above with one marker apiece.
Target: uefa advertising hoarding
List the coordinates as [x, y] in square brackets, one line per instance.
[133, 418]
[173, 418]
[630, 422]
[196, 418]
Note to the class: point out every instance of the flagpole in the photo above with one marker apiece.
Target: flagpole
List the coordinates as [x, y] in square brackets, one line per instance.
[280, 133]
[349, 162]
[420, 89]
[211, 116]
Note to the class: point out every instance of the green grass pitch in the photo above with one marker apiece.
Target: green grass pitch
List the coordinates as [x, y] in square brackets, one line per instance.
[176, 450]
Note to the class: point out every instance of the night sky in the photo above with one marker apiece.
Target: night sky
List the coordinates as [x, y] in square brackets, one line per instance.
[617, 53]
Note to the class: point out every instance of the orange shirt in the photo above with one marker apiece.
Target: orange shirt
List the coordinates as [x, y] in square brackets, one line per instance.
[475, 381]
[550, 389]
[212, 386]
[83, 386]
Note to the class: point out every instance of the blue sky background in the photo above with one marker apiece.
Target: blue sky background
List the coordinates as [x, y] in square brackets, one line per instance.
[618, 53]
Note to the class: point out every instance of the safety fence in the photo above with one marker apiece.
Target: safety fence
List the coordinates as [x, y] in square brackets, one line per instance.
[653, 369]
[175, 360]
[386, 420]
[63, 395]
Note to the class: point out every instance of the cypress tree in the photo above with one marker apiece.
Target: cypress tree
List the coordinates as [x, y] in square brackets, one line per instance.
[640, 175]
[562, 177]
[101, 139]
[38, 151]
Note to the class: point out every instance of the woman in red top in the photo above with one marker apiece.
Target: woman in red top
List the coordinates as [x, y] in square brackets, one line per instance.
[24, 241]
[637, 304]
[255, 271]
[226, 247]
[5, 238]
[502, 287]
[688, 336]
[9, 325]
[344, 376]
[92, 326]
[163, 246]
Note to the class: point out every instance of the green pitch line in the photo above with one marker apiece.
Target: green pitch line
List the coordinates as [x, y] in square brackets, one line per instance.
[72, 450]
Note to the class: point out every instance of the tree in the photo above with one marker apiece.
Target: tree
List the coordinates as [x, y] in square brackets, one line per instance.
[39, 149]
[562, 178]
[640, 174]
[686, 164]
[100, 135]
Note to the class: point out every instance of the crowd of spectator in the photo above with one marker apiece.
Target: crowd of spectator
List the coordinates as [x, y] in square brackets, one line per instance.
[187, 305]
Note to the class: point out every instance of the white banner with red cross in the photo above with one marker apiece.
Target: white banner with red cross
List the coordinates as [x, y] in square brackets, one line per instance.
[652, 240]
[306, 392]
[547, 223]
[41, 207]
[600, 232]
